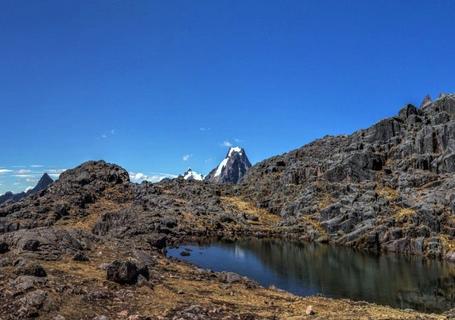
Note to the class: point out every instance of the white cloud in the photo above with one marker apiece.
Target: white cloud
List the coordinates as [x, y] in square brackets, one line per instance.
[138, 177]
[56, 170]
[55, 173]
[36, 166]
[107, 134]
[23, 171]
[28, 188]
[226, 144]
[22, 175]
[204, 129]
[5, 171]
[186, 157]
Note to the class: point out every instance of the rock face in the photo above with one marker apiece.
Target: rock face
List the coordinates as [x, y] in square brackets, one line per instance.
[232, 168]
[191, 175]
[389, 187]
[42, 184]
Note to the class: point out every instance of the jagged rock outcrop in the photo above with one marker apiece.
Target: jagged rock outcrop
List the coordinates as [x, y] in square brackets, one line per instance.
[388, 187]
[69, 197]
[42, 184]
[232, 169]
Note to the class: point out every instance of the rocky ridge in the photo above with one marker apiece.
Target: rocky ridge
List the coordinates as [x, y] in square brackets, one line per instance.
[385, 188]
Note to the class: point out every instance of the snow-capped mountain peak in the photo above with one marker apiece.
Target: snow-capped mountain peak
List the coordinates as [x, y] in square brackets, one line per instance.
[192, 175]
[232, 168]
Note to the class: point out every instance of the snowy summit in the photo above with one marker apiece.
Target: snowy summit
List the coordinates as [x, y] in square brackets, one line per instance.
[192, 175]
[232, 168]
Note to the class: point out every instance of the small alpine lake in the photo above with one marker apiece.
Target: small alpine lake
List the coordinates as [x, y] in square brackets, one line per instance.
[309, 269]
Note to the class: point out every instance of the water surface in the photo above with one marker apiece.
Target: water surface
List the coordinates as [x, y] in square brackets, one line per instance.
[308, 269]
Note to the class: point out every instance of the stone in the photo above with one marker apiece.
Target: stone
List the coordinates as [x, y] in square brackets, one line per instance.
[229, 277]
[34, 299]
[184, 253]
[142, 281]
[4, 248]
[158, 241]
[124, 272]
[31, 269]
[31, 245]
[309, 311]
[25, 283]
[450, 256]
[80, 256]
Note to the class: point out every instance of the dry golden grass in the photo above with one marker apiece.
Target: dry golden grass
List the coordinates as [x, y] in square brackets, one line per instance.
[403, 214]
[265, 218]
[263, 302]
[86, 270]
[387, 193]
[314, 222]
[447, 243]
[325, 201]
[95, 211]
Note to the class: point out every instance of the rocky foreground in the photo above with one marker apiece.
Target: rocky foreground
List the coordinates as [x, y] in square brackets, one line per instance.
[387, 188]
[90, 246]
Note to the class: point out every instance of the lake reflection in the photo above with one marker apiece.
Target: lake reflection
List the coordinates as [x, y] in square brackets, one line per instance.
[308, 269]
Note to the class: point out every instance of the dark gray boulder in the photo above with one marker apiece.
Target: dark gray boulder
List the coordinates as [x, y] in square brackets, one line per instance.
[125, 272]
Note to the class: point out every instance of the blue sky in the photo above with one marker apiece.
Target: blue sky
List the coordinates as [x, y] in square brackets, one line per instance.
[160, 86]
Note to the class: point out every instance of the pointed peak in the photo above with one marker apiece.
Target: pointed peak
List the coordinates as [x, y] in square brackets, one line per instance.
[45, 176]
[426, 101]
[45, 181]
[232, 168]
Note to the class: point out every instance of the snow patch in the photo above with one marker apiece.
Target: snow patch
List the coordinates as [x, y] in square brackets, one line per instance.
[234, 150]
[221, 167]
[190, 174]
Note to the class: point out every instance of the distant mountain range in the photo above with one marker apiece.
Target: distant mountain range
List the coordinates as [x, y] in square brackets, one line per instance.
[42, 184]
[229, 171]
